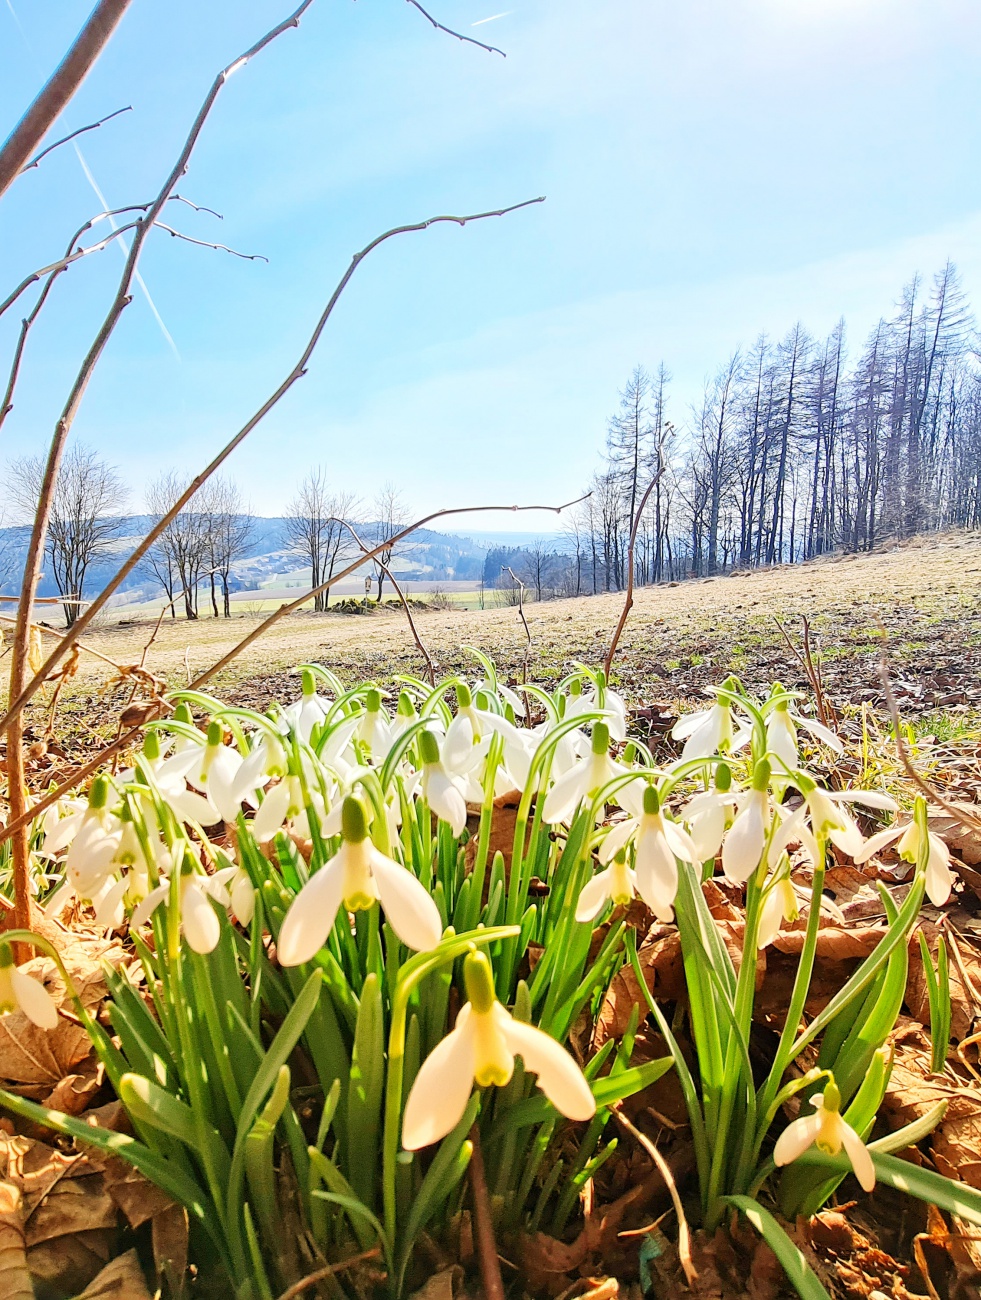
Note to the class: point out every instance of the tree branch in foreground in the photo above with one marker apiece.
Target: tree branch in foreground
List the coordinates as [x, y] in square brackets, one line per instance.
[132, 735]
[469, 40]
[25, 691]
[61, 86]
[628, 602]
[20, 689]
[92, 126]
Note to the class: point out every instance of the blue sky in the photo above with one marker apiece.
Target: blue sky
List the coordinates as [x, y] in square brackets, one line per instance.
[712, 169]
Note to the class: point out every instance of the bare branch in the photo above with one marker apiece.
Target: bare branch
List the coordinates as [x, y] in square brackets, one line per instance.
[430, 666]
[68, 260]
[294, 605]
[20, 690]
[92, 126]
[491, 49]
[629, 597]
[204, 243]
[61, 86]
[179, 198]
[25, 691]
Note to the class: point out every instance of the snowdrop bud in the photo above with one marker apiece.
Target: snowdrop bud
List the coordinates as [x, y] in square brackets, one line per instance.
[428, 747]
[99, 793]
[478, 978]
[464, 700]
[629, 752]
[308, 684]
[373, 700]
[354, 820]
[652, 804]
[405, 707]
[575, 687]
[183, 713]
[600, 738]
[151, 746]
[215, 733]
[723, 778]
[761, 775]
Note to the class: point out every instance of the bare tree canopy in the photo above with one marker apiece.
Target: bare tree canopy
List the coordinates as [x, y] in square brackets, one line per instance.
[315, 528]
[85, 516]
[391, 512]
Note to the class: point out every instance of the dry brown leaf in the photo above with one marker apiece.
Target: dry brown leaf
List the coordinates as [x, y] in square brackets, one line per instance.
[441, 1286]
[121, 1279]
[963, 840]
[15, 1280]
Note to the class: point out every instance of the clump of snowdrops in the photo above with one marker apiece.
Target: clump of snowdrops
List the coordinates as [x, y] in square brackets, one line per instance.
[346, 991]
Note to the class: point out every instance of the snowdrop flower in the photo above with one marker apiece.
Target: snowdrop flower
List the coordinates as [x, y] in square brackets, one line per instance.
[743, 847]
[830, 821]
[481, 1049]
[613, 707]
[19, 992]
[308, 711]
[198, 918]
[782, 726]
[374, 729]
[284, 803]
[241, 893]
[828, 1131]
[468, 740]
[216, 774]
[266, 762]
[707, 731]
[583, 780]
[779, 905]
[94, 841]
[658, 842]
[356, 877]
[939, 877]
[707, 814]
[439, 789]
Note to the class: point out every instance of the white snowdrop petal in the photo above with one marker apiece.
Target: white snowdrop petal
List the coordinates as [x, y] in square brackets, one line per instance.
[202, 929]
[796, 1138]
[409, 909]
[858, 1154]
[822, 732]
[271, 813]
[567, 792]
[312, 913]
[879, 841]
[442, 1088]
[141, 913]
[617, 837]
[559, 1077]
[33, 999]
[593, 897]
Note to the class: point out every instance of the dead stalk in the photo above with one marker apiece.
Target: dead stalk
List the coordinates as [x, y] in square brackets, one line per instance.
[490, 1265]
[629, 597]
[664, 1169]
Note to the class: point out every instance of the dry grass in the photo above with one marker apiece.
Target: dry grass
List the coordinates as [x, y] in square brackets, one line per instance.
[926, 593]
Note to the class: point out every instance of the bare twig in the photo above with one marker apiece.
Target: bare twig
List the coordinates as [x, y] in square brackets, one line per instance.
[204, 243]
[959, 814]
[628, 601]
[20, 690]
[92, 126]
[61, 86]
[505, 568]
[664, 1169]
[328, 1270]
[430, 666]
[469, 40]
[68, 260]
[490, 1265]
[294, 605]
[23, 694]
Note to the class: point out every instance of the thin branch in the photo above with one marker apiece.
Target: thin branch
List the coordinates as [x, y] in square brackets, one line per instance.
[61, 86]
[179, 198]
[469, 40]
[131, 736]
[628, 602]
[63, 263]
[664, 1169]
[20, 697]
[430, 666]
[294, 605]
[92, 126]
[959, 814]
[328, 1270]
[490, 1264]
[521, 614]
[20, 688]
[204, 243]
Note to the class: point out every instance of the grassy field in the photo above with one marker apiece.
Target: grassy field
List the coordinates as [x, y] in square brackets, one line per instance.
[925, 595]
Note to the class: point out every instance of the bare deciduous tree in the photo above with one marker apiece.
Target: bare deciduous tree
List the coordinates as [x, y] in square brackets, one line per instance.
[315, 528]
[230, 529]
[85, 516]
[390, 513]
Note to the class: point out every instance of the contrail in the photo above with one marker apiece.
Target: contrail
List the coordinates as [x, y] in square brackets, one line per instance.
[87, 171]
[480, 21]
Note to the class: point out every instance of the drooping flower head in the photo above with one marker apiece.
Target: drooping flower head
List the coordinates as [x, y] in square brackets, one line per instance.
[481, 1049]
[19, 992]
[829, 1132]
[439, 789]
[357, 876]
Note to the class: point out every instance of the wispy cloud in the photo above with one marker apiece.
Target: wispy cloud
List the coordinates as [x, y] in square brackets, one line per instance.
[493, 18]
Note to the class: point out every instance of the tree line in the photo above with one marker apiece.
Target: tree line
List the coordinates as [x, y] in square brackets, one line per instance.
[793, 449]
